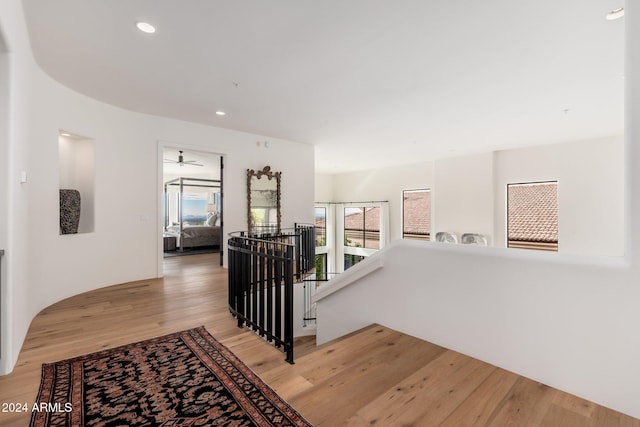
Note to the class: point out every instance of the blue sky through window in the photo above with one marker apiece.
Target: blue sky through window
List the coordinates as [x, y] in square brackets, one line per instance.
[194, 207]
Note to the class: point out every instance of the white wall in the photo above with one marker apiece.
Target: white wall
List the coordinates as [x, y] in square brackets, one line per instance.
[462, 198]
[323, 188]
[590, 177]
[44, 267]
[4, 148]
[14, 298]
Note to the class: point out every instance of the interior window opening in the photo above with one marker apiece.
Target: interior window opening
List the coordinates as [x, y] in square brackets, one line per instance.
[416, 214]
[532, 215]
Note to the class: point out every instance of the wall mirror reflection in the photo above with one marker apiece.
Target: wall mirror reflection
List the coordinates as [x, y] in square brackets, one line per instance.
[263, 201]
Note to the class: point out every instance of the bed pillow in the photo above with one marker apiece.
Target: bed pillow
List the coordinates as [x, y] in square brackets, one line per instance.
[211, 221]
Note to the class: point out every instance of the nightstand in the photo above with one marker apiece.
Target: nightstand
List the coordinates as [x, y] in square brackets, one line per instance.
[169, 243]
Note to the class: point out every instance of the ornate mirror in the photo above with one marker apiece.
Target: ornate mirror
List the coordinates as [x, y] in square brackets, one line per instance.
[263, 201]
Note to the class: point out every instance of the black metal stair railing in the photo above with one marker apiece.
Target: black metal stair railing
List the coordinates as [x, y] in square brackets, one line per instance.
[262, 270]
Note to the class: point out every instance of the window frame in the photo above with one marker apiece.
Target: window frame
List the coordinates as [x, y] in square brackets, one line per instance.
[342, 249]
[402, 218]
[334, 223]
[531, 245]
[325, 250]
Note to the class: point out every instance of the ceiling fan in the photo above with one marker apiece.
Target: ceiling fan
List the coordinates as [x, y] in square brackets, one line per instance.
[181, 161]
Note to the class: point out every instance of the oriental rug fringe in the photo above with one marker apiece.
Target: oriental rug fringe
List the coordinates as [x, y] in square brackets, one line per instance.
[186, 378]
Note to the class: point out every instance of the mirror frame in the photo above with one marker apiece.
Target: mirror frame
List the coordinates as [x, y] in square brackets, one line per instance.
[267, 172]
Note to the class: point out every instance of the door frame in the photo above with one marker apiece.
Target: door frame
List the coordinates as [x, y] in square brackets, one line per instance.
[161, 146]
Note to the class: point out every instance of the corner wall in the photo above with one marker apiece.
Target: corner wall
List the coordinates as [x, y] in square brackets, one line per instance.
[4, 137]
[323, 188]
[4, 178]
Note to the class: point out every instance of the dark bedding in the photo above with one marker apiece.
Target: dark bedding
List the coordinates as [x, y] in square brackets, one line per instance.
[194, 236]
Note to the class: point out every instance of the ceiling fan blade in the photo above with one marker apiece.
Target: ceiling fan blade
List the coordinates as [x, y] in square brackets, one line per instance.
[181, 161]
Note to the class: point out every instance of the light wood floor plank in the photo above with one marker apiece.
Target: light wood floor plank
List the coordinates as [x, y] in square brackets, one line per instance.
[527, 400]
[376, 376]
[477, 408]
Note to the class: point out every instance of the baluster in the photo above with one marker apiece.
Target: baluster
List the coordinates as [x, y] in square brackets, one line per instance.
[230, 284]
[269, 291]
[262, 290]
[288, 304]
[255, 261]
[278, 297]
[246, 273]
[239, 296]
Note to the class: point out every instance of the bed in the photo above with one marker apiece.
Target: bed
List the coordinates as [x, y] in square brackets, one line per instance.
[195, 235]
[190, 229]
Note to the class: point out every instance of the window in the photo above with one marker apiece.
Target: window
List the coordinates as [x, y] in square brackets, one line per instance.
[321, 266]
[194, 208]
[351, 260]
[362, 227]
[416, 214]
[321, 226]
[321, 242]
[346, 233]
[532, 216]
[361, 231]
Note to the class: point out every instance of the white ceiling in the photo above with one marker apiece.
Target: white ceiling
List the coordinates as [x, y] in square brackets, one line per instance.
[370, 83]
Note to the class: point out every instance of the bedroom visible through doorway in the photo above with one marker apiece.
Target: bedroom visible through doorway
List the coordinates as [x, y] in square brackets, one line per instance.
[191, 202]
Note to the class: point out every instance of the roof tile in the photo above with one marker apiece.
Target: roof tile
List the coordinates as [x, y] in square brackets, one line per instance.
[533, 212]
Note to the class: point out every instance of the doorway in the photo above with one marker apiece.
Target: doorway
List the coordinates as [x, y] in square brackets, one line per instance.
[191, 202]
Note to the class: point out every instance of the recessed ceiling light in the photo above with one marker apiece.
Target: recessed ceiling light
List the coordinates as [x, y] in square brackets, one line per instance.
[146, 27]
[65, 134]
[615, 14]
[221, 113]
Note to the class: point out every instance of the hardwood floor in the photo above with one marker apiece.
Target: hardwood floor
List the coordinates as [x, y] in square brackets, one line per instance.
[376, 376]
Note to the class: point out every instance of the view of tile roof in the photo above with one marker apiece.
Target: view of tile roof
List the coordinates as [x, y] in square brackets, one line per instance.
[533, 212]
[417, 212]
[353, 220]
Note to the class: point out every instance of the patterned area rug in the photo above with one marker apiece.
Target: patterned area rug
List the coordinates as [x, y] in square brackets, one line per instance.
[183, 379]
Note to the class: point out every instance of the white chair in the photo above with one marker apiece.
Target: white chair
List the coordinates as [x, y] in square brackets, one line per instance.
[446, 237]
[473, 239]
